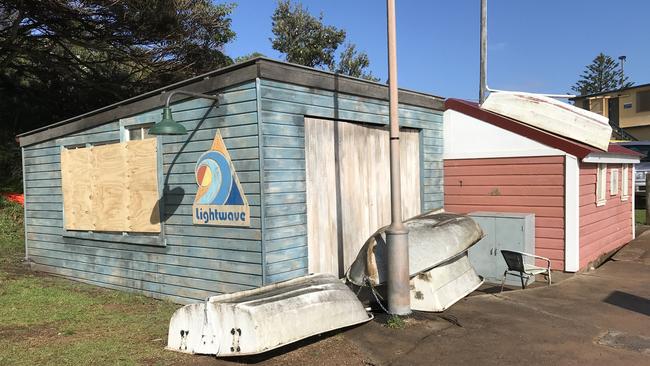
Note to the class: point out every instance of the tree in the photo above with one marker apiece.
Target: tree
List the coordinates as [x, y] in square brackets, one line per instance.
[305, 40]
[249, 56]
[61, 58]
[354, 64]
[603, 74]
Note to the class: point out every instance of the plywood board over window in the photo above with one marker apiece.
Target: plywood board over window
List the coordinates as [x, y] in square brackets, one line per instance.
[111, 187]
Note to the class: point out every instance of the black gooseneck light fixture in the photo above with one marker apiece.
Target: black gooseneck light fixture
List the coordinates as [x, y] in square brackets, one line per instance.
[167, 125]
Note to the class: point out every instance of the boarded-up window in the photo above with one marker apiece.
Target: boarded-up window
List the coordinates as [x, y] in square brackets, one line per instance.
[111, 187]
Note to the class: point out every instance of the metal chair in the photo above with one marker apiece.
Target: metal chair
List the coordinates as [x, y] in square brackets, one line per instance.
[516, 263]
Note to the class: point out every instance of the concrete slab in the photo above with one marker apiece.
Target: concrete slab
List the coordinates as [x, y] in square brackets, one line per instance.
[600, 317]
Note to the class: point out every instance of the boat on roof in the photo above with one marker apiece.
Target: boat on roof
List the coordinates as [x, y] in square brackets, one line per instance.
[552, 115]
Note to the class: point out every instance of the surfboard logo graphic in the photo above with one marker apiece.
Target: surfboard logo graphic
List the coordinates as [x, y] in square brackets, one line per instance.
[220, 199]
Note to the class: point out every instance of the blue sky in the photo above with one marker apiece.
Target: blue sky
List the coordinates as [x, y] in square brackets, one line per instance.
[535, 46]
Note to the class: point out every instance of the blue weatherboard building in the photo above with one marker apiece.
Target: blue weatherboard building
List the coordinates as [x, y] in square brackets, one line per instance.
[287, 157]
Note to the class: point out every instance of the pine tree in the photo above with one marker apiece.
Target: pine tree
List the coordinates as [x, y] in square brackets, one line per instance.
[603, 74]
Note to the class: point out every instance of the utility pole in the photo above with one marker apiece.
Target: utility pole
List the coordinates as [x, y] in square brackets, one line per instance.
[622, 59]
[483, 87]
[399, 300]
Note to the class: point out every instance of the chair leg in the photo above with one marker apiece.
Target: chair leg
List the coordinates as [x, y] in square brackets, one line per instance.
[503, 281]
[527, 279]
[523, 286]
[549, 278]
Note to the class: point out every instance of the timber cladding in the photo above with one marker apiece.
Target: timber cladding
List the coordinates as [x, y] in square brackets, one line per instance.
[348, 188]
[111, 187]
[262, 123]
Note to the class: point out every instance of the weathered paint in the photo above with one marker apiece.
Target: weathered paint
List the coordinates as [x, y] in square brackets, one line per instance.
[196, 262]
[190, 262]
[531, 184]
[607, 227]
[283, 108]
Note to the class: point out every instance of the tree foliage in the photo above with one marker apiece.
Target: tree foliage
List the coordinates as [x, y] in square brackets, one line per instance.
[60, 58]
[354, 64]
[305, 40]
[249, 56]
[603, 74]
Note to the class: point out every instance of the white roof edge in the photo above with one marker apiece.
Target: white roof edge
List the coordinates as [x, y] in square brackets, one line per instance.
[609, 158]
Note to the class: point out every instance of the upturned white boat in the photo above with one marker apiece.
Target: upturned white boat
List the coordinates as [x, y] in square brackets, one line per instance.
[441, 273]
[553, 116]
[439, 288]
[434, 238]
[259, 320]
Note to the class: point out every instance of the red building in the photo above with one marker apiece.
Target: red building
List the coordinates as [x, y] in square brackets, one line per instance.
[582, 197]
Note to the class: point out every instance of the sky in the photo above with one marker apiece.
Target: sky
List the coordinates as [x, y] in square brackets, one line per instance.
[537, 46]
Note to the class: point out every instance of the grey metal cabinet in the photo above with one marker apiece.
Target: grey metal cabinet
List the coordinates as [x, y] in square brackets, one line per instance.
[503, 230]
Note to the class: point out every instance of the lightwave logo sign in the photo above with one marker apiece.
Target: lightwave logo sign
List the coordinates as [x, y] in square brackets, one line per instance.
[220, 199]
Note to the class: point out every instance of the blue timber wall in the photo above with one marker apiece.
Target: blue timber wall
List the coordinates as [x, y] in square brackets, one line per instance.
[198, 261]
[283, 108]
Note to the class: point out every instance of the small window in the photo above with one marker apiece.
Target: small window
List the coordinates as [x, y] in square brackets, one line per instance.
[601, 184]
[613, 184]
[643, 101]
[625, 182]
[139, 132]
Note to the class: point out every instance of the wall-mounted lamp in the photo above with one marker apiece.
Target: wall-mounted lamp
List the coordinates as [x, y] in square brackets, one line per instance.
[167, 125]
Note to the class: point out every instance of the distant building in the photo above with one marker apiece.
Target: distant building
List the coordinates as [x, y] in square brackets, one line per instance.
[628, 110]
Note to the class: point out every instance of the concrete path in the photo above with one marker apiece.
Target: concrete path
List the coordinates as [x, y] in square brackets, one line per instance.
[600, 317]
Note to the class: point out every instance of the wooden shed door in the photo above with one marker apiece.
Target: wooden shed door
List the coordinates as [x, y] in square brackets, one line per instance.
[348, 188]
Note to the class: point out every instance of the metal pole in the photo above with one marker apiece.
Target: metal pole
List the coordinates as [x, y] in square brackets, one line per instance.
[647, 199]
[399, 301]
[483, 76]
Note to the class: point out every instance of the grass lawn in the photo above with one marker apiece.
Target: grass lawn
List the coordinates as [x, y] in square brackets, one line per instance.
[45, 320]
[639, 217]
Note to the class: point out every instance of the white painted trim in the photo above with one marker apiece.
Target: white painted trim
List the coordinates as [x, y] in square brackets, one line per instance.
[466, 137]
[506, 154]
[571, 214]
[633, 204]
[606, 158]
[625, 182]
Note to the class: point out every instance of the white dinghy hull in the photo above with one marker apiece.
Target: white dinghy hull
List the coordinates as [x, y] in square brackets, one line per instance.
[440, 287]
[434, 238]
[259, 320]
[441, 273]
[553, 116]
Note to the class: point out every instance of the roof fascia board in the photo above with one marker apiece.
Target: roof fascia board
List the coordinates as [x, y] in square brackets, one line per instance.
[608, 158]
[248, 71]
[148, 102]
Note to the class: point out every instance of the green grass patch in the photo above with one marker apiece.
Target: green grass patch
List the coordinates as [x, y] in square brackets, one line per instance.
[639, 217]
[46, 320]
[395, 322]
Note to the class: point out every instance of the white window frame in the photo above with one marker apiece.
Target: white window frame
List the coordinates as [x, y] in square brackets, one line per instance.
[601, 184]
[613, 182]
[139, 126]
[625, 182]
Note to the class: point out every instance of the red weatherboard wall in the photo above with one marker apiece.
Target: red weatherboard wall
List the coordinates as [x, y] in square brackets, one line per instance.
[529, 184]
[603, 228]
